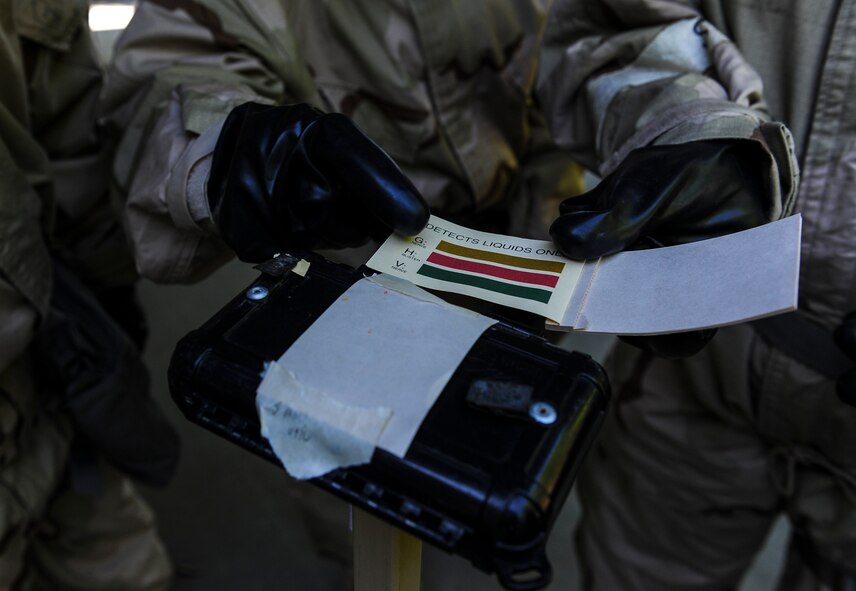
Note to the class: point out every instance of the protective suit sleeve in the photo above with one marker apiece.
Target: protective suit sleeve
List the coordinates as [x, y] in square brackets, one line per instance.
[179, 69]
[618, 75]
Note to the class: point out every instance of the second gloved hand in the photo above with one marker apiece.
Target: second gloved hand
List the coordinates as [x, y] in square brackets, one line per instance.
[289, 178]
[667, 195]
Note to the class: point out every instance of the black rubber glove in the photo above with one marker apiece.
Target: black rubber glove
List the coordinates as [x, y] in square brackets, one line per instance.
[845, 338]
[290, 178]
[667, 195]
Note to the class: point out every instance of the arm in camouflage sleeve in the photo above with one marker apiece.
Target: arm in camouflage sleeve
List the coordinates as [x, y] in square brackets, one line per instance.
[622, 74]
[179, 69]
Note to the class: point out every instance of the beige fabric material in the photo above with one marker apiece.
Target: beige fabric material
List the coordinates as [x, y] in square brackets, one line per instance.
[50, 536]
[104, 542]
[699, 456]
[29, 482]
[678, 82]
[67, 540]
[446, 90]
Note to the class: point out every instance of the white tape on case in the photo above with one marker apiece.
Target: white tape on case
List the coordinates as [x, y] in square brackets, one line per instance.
[365, 374]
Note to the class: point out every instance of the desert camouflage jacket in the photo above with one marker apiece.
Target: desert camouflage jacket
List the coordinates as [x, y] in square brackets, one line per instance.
[445, 87]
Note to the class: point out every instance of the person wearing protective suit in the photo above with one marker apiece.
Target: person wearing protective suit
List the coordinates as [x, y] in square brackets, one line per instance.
[684, 108]
[246, 129]
[75, 416]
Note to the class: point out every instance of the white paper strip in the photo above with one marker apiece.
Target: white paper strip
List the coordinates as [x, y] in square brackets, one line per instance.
[730, 279]
[724, 280]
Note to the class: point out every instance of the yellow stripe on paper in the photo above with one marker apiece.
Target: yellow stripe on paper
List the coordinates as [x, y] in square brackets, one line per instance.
[501, 258]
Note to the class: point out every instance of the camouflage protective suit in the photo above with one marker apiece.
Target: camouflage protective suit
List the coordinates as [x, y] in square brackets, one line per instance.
[702, 454]
[53, 191]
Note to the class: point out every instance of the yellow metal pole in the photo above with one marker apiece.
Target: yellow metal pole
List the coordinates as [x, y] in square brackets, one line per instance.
[385, 558]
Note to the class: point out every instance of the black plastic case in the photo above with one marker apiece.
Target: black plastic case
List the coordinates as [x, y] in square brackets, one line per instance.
[487, 472]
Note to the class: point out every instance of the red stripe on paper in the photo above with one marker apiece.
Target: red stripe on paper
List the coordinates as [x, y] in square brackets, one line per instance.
[492, 270]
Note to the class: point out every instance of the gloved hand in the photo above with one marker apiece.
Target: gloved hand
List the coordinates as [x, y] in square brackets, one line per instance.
[289, 178]
[845, 337]
[667, 195]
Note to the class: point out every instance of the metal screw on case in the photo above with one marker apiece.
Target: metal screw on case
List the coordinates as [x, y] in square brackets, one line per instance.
[257, 293]
[543, 413]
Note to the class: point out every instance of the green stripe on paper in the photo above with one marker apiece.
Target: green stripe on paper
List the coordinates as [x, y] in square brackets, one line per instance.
[502, 258]
[518, 291]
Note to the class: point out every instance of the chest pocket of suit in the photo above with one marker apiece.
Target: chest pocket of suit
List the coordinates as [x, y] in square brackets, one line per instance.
[53, 23]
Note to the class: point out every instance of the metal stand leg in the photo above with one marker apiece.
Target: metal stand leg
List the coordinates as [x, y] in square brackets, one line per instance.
[385, 558]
